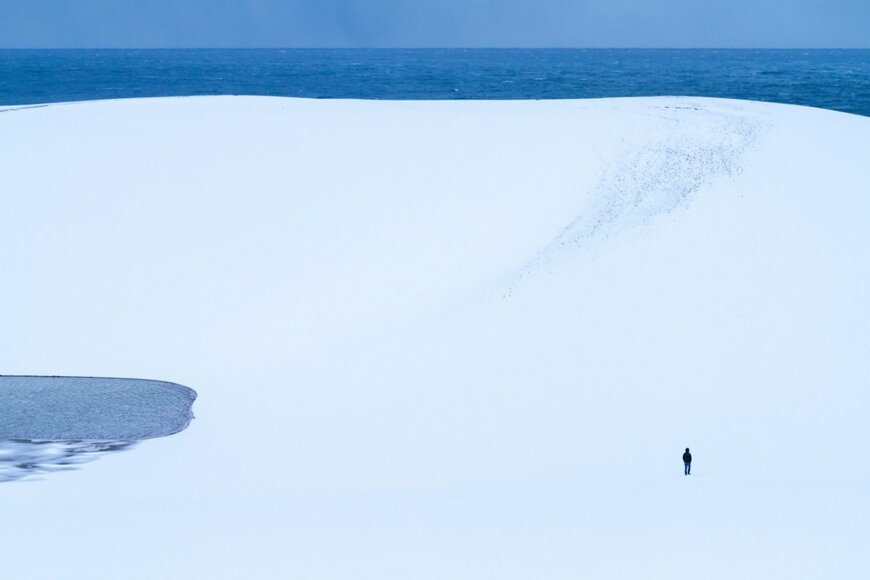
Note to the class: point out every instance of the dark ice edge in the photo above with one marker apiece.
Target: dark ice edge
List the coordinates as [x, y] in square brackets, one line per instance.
[191, 393]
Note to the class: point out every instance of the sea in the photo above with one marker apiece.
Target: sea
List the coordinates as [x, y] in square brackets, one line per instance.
[830, 79]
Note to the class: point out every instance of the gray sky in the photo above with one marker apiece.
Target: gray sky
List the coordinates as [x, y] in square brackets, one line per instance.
[434, 23]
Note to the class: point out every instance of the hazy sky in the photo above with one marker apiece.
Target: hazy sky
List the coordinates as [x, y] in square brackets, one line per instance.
[435, 23]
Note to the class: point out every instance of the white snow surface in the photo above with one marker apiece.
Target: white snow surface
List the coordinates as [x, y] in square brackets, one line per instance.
[442, 340]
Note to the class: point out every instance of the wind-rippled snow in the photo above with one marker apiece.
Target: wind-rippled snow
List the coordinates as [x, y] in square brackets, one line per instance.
[686, 150]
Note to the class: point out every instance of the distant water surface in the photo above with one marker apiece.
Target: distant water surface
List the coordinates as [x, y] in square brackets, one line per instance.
[832, 79]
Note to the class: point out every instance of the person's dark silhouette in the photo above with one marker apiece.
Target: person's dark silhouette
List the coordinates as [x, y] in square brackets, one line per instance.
[687, 462]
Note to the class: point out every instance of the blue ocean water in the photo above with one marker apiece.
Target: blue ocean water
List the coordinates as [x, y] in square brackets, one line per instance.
[832, 79]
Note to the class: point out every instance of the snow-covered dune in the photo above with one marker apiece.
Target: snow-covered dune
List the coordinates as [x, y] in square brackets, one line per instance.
[448, 339]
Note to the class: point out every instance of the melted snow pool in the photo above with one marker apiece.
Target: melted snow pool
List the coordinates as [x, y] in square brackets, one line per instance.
[57, 423]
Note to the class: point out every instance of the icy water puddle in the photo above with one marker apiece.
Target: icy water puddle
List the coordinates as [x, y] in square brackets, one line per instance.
[52, 424]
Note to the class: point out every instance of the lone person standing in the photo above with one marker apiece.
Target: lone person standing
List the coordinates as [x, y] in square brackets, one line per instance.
[687, 462]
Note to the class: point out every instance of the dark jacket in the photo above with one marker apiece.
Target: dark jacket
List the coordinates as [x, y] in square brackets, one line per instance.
[687, 457]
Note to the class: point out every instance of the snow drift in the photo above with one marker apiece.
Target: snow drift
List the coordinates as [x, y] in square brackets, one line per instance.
[449, 340]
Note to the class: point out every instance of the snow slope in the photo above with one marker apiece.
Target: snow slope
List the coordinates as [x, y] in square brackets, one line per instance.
[448, 339]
